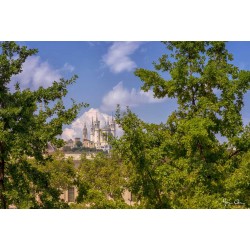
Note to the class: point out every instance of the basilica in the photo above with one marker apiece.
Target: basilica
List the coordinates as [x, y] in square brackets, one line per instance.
[99, 136]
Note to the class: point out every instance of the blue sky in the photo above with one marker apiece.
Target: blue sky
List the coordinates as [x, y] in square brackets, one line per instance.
[106, 78]
[98, 74]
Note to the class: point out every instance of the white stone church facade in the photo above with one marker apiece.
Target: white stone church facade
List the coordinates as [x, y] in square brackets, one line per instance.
[99, 135]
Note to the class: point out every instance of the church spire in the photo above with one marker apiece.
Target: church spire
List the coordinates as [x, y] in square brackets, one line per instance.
[85, 132]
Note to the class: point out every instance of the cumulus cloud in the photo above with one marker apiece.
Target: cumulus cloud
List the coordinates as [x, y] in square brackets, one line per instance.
[68, 133]
[117, 57]
[75, 129]
[124, 97]
[37, 73]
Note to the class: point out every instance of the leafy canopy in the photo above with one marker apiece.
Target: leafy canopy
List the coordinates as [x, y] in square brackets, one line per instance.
[183, 164]
[25, 131]
[101, 181]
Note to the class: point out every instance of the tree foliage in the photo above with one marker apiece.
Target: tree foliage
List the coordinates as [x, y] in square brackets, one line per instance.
[101, 182]
[78, 144]
[183, 163]
[24, 130]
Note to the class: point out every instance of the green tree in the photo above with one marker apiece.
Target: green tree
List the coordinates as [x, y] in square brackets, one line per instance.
[101, 182]
[62, 170]
[24, 131]
[189, 166]
[79, 144]
[141, 151]
[61, 175]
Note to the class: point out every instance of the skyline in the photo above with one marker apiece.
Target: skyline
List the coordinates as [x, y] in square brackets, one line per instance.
[105, 77]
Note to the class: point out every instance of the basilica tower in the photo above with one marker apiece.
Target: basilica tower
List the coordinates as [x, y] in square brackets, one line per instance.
[97, 132]
[92, 131]
[112, 127]
[99, 135]
[85, 132]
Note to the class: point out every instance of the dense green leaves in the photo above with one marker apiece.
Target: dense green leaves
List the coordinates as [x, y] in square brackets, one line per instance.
[101, 182]
[184, 164]
[26, 131]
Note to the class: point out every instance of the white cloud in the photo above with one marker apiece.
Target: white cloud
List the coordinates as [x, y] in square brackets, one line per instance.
[75, 129]
[37, 73]
[68, 67]
[117, 58]
[68, 133]
[124, 97]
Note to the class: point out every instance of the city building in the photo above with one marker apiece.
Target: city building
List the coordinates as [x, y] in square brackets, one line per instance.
[85, 141]
[99, 135]
[77, 139]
